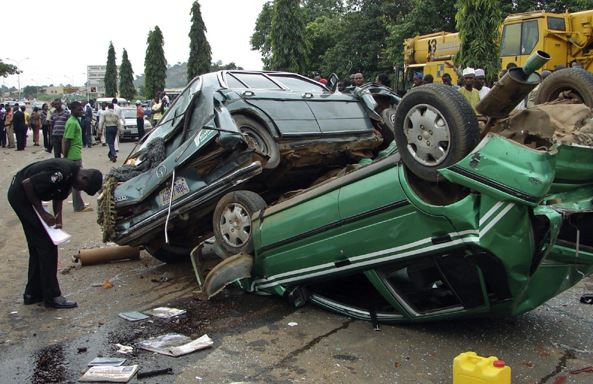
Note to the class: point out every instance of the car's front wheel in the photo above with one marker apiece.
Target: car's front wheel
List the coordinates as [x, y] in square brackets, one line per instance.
[232, 220]
[435, 127]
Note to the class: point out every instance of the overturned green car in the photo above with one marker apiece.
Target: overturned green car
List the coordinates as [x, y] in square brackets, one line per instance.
[449, 225]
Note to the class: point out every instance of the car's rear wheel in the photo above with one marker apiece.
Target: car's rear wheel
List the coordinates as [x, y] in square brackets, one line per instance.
[232, 220]
[577, 81]
[259, 138]
[435, 127]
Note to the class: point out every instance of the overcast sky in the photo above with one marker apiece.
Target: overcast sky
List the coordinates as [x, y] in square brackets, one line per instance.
[54, 41]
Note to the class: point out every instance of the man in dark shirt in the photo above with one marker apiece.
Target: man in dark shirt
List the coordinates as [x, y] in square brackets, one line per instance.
[43, 181]
[58, 121]
[20, 128]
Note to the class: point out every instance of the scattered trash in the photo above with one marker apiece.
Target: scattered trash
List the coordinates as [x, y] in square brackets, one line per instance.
[108, 361]
[156, 372]
[67, 270]
[587, 298]
[82, 349]
[293, 324]
[124, 349]
[162, 278]
[174, 344]
[588, 369]
[133, 316]
[112, 374]
[107, 284]
[105, 255]
[165, 312]
[14, 312]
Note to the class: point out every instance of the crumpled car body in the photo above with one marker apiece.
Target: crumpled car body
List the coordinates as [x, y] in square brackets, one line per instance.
[511, 230]
[213, 141]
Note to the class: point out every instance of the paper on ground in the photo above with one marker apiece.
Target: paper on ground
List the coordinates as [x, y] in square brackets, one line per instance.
[110, 374]
[155, 345]
[165, 312]
[57, 236]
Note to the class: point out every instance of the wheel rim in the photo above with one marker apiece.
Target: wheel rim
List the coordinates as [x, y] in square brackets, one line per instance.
[235, 225]
[389, 117]
[428, 135]
[255, 140]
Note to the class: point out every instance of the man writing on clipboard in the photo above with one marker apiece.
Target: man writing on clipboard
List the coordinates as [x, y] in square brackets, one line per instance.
[43, 181]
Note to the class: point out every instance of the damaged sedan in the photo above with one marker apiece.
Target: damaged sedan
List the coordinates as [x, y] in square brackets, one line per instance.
[457, 222]
[232, 143]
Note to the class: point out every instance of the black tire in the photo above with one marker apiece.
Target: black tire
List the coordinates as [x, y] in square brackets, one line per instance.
[420, 118]
[259, 138]
[388, 115]
[569, 79]
[169, 254]
[232, 220]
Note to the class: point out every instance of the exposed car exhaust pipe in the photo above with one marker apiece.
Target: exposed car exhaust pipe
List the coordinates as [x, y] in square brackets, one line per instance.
[514, 86]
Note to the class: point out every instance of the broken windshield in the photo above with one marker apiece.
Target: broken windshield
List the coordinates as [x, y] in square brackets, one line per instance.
[170, 121]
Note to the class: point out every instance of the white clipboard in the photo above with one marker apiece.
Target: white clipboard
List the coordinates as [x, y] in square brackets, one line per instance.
[57, 235]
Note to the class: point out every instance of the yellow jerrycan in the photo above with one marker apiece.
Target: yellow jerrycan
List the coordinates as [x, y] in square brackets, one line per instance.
[469, 368]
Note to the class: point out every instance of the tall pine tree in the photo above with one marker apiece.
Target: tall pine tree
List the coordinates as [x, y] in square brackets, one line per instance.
[155, 64]
[289, 47]
[111, 73]
[200, 54]
[478, 22]
[126, 78]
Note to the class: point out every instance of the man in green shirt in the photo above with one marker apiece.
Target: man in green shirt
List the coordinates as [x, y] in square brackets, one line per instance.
[471, 94]
[72, 149]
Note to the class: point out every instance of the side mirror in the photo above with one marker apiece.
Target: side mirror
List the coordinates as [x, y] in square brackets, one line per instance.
[332, 82]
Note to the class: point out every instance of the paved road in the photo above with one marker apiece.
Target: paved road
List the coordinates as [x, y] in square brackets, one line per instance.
[252, 339]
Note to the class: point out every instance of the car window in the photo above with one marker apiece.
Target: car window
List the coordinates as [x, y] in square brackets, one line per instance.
[130, 113]
[173, 115]
[297, 83]
[256, 80]
[232, 82]
[511, 40]
[556, 23]
[529, 36]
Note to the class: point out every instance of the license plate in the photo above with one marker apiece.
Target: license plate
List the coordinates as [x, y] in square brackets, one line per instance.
[180, 188]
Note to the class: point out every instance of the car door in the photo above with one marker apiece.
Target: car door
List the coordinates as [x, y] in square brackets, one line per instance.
[288, 109]
[335, 113]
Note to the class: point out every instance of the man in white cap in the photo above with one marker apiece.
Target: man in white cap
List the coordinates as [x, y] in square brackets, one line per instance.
[471, 94]
[479, 83]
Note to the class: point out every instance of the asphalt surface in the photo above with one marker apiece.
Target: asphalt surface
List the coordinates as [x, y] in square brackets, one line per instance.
[253, 341]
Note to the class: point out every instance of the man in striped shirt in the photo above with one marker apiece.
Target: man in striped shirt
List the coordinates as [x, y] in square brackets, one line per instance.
[58, 121]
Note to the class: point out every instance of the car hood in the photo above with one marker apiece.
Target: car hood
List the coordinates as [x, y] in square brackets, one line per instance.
[207, 117]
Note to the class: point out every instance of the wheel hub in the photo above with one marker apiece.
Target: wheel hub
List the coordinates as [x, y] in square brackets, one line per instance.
[427, 134]
[235, 225]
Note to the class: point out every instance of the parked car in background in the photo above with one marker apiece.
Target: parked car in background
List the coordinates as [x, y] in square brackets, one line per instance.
[130, 131]
[263, 132]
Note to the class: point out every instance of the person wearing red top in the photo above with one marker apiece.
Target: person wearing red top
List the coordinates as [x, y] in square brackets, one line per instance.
[140, 119]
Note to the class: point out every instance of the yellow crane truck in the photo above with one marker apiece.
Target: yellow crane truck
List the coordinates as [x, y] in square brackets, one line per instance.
[567, 37]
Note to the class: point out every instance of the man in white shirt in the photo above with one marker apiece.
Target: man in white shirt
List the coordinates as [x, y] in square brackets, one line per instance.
[479, 83]
[120, 112]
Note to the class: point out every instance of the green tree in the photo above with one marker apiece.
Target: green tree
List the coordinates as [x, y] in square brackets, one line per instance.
[424, 16]
[126, 78]
[200, 53]
[111, 73]
[478, 22]
[7, 69]
[360, 38]
[289, 47]
[260, 39]
[557, 6]
[155, 64]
